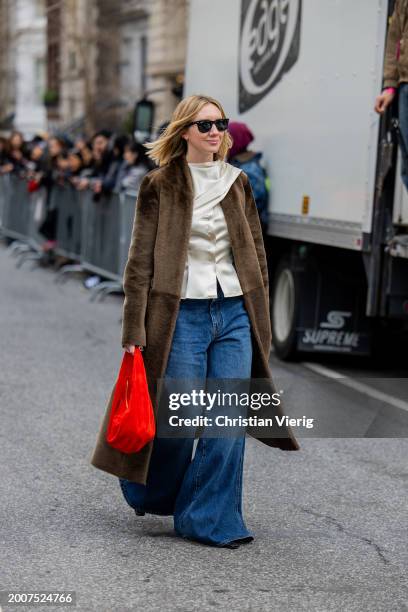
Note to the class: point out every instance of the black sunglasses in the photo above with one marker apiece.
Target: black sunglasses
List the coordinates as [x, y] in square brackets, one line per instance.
[205, 125]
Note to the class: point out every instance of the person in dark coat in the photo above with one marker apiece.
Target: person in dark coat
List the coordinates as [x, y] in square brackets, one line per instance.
[133, 168]
[48, 228]
[3, 154]
[16, 153]
[251, 163]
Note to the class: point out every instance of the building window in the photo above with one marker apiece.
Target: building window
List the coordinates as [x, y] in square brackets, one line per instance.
[39, 9]
[72, 108]
[143, 62]
[72, 60]
[53, 45]
[39, 78]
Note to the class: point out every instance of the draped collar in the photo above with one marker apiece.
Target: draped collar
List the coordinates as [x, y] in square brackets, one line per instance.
[178, 168]
[212, 181]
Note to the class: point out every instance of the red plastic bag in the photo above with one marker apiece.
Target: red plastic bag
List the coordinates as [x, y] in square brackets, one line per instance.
[131, 422]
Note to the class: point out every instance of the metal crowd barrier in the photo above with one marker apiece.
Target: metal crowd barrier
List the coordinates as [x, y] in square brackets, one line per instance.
[128, 206]
[95, 234]
[69, 220]
[21, 215]
[4, 196]
[100, 245]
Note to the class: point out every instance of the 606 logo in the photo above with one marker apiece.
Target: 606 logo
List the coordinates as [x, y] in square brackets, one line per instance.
[269, 46]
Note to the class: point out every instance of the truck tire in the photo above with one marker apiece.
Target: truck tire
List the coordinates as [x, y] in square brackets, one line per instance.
[284, 305]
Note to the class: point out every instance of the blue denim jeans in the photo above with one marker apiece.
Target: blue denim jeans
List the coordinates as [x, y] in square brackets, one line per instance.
[212, 339]
[403, 123]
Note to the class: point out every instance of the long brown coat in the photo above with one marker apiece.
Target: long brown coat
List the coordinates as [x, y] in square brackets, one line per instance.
[152, 284]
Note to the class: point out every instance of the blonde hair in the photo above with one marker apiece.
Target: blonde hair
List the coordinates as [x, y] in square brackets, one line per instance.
[170, 144]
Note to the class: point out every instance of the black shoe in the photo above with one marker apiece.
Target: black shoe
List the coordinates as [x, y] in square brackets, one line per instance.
[139, 512]
[237, 543]
[233, 544]
[246, 540]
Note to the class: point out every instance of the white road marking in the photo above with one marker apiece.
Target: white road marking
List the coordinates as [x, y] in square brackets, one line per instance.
[357, 386]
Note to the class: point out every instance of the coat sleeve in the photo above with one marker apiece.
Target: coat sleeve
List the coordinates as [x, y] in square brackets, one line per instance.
[252, 216]
[391, 75]
[139, 267]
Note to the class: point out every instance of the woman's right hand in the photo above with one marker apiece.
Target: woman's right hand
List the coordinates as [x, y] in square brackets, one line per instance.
[130, 348]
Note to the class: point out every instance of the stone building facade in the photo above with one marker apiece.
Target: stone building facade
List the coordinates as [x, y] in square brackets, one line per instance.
[112, 54]
[98, 49]
[23, 64]
[71, 38]
[167, 40]
[7, 93]
[93, 60]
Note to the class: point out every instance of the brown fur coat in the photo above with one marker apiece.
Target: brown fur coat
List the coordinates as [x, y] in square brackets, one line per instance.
[152, 284]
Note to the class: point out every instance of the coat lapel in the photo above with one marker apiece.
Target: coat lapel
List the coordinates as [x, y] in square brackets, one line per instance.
[177, 191]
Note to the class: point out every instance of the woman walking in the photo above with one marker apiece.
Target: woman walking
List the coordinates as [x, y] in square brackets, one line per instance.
[197, 305]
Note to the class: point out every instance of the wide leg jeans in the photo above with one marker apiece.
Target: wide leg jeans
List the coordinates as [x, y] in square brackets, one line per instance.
[212, 339]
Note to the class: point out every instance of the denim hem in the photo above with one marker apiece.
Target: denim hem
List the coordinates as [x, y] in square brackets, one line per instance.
[238, 488]
[248, 536]
[204, 494]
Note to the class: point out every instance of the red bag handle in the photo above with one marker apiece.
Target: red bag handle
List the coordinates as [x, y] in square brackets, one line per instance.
[132, 368]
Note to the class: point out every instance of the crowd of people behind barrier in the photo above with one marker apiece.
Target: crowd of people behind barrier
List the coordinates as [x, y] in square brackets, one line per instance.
[103, 164]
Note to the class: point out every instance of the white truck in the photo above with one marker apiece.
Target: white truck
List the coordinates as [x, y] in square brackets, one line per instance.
[304, 75]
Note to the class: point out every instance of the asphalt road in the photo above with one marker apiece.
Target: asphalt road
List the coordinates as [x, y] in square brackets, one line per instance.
[330, 520]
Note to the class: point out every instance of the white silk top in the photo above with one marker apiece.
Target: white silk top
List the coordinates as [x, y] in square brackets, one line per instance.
[209, 253]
